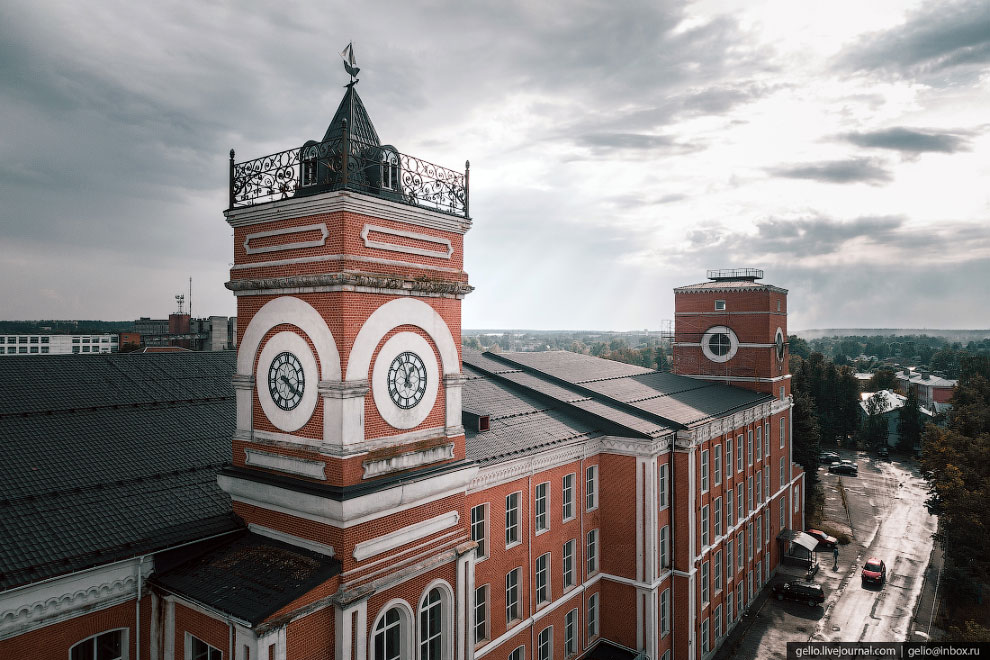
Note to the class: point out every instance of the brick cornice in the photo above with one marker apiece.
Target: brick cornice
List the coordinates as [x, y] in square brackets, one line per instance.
[349, 280]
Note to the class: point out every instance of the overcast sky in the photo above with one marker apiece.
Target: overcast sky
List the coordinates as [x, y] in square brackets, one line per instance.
[617, 149]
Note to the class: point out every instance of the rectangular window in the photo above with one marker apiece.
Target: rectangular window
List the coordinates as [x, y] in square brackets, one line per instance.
[782, 434]
[729, 560]
[706, 644]
[759, 531]
[34, 340]
[570, 634]
[739, 600]
[719, 305]
[718, 622]
[568, 560]
[518, 653]
[665, 612]
[729, 508]
[34, 349]
[512, 595]
[717, 571]
[664, 546]
[794, 498]
[759, 486]
[663, 486]
[717, 464]
[592, 551]
[718, 517]
[512, 519]
[199, 650]
[739, 503]
[741, 550]
[728, 609]
[542, 503]
[591, 488]
[481, 614]
[766, 439]
[592, 616]
[749, 541]
[704, 526]
[759, 443]
[704, 471]
[739, 453]
[766, 535]
[783, 509]
[22, 340]
[749, 585]
[780, 484]
[704, 584]
[479, 529]
[543, 579]
[749, 493]
[544, 644]
[728, 457]
[567, 497]
[45, 349]
[749, 447]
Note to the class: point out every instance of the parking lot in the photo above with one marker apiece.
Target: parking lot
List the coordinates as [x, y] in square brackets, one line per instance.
[886, 518]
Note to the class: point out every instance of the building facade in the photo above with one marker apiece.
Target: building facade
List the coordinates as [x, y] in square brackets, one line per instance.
[386, 494]
[58, 344]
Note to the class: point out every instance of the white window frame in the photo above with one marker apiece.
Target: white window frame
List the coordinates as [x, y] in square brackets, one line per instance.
[518, 653]
[729, 507]
[766, 438]
[759, 443]
[705, 527]
[740, 463]
[717, 464]
[512, 590]
[729, 597]
[591, 488]
[445, 606]
[728, 457]
[759, 532]
[741, 552]
[749, 541]
[730, 559]
[124, 641]
[717, 514]
[481, 614]
[768, 531]
[704, 470]
[706, 645]
[541, 508]
[663, 486]
[740, 502]
[718, 622]
[783, 431]
[190, 638]
[544, 644]
[592, 552]
[705, 586]
[749, 493]
[781, 483]
[664, 613]
[570, 633]
[512, 536]
[405, 626]
[543, 581]
[665, 546]
[567, 509]
[759, 486]
[717, 572]
[749, 447]
[479, 530]
[794, 498]
[719, 305]
[783, 510]
[567, 565]
[592, 616]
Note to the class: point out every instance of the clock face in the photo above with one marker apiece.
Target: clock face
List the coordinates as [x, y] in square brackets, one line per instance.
[406, 380]
[779, 344]
[286, 381]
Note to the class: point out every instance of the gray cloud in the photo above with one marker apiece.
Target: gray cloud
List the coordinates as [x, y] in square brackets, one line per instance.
[908, 140]
[942, 38]
[855, 170]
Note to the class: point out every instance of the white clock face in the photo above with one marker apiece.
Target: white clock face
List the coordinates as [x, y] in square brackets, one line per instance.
[286, 381]
[407, 380]
[779, 344]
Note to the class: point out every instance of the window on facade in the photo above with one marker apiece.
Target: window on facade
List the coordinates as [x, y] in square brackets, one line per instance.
[543, 578]
[749, 493]
[22, 340]
[782, 421]
[704, 583]
[728, 458]
[512, 595]
[739, 600]
[759, 531]
[728, 609]
[518, 653]
[568, 563]
[739, 503]
[479, 529]
[717, 464]
[759, 486]
[706, 644]
[309, 170]
[759, 443]
[718, 622]
[200, 650]
[663, 486]
[570, 634]
[665, 546]
[794, 498]
[390, 170]
[719, 343]
[704, 471]
[717, 571]
[592, 551]
[664, 612]
[542, 502]
[481, 614]
[783, 509]
[766, 438]
[431, 627]
[781, 392]
[729, 560]
[544, 644]
[766, 535]
[718, 517]
[45, 349]
[34, 340]
[749, 541]
[729, 510]
[512, 519]
[591, 488]
[704, 526]
[75, 349]
[105, 646]
[739, 453]
[567, 497]
[34, 349]
[592, 616]
[740, 548]
[719, 305]
[749, 447]
[780, 484]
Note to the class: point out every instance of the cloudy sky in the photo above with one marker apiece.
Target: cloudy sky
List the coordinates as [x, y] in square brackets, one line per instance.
[617, 149]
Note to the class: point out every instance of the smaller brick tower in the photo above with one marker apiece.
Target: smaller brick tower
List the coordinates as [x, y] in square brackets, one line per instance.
[733, 329]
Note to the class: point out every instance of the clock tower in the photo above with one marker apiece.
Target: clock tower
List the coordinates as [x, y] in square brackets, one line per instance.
[348, 273]
[733, 329]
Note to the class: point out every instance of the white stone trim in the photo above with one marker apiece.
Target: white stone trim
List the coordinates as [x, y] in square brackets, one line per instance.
[291, 539]
[402, 311]
[395, 247]
[321, 227]
[368, 570]
[295, 419]
[738, 379]
[299, 313]
[405, 535]
[340, 257]
[741, 344]
[407, 461]
[288, 464]
[719, 330]
[346, 200]
[404, 418]
[505, 471]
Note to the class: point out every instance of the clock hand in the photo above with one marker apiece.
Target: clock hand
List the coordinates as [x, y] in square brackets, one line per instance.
[290, 385]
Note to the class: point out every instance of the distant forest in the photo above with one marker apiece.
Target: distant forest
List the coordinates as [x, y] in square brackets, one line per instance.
[54, 327]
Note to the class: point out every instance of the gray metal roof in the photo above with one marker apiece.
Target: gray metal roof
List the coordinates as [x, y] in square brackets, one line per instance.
[728, 285]
[359, 124]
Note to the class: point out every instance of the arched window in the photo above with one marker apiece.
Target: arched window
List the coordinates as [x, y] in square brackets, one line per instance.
[388, 636]
[431, 627]
[110, 645]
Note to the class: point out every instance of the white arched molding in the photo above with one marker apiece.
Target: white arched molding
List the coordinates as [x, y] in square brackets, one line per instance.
[284, 310]
[446, 617]
[410, 311]
[407, 625]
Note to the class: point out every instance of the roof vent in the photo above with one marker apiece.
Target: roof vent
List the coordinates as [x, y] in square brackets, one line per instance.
[747, 274]
[475, 421]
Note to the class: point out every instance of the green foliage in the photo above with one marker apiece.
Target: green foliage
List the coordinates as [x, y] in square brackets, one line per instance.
[969, 632]
[798, 347]
[909, 422]
[883, 379]
[874, 431]
[834, 391]
[806, 438]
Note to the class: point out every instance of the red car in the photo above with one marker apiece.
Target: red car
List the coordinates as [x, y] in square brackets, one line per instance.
[874, 571]
[824, 540]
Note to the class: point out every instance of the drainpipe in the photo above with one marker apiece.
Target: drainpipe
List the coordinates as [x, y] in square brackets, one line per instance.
[231, 624]
[671, 536]
[137, 610]
[531, 567]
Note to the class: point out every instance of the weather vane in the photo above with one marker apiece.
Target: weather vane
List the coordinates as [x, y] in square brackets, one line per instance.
[350, 64]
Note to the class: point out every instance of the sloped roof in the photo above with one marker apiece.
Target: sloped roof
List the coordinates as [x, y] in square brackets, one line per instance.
[110, 456]
[359, 124]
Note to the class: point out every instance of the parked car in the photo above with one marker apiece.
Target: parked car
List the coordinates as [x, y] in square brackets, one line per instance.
[874, 571]
[805, 592]
[828, 457]
[824, 540]
[844, 468]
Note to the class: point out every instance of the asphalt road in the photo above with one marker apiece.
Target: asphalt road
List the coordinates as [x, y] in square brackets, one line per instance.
[887, 519]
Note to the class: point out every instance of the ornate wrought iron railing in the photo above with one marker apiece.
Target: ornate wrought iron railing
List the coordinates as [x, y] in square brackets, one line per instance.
[319, 167]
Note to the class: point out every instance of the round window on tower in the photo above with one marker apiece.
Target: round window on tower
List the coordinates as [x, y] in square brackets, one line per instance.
[719, 343]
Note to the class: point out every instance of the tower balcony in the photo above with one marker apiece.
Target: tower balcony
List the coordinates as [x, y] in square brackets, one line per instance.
[369, 168]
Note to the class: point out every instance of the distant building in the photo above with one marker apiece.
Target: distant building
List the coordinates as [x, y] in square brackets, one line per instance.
[215, 333]
[56, 344]
[931, 389]
[891, 410]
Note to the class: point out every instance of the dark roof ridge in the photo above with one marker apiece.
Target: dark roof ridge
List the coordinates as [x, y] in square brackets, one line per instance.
[116, 406]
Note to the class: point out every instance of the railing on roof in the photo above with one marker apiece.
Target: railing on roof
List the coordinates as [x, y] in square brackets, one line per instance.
[736, 274]
[318, 167]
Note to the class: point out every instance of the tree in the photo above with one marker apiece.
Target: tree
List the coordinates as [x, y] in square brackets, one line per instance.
[799, 347]
[806, 438]
[883, 379]
[873, 433]
[909, 423]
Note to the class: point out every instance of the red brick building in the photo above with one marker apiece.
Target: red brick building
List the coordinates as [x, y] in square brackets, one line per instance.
[386, 494]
